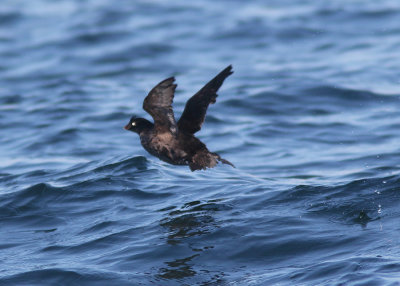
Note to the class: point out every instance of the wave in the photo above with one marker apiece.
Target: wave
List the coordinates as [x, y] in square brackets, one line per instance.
[68, 276]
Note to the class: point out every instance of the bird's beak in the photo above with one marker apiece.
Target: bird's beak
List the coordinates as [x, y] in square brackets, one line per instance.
[127, 126]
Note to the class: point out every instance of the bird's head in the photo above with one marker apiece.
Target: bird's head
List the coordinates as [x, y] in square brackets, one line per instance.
[138, 125]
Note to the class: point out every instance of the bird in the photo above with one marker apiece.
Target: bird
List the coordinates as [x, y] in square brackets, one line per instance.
[175, 142]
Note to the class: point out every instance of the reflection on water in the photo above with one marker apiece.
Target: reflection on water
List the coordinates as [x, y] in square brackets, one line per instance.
[187, 225]
[193, 219]
[178, 268]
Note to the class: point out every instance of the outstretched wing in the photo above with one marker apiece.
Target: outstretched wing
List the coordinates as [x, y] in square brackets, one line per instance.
[195, 110]
[158, 103]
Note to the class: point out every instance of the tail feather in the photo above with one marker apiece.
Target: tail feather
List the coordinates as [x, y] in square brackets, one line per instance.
[205, 159]
[222, 160]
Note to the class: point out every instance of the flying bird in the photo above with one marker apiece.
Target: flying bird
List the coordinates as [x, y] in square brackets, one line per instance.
[175, 142]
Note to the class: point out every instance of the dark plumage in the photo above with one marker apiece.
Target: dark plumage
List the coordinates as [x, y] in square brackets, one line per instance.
[174, 142]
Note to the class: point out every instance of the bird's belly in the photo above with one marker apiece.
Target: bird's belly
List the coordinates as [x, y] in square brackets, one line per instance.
[170, 153]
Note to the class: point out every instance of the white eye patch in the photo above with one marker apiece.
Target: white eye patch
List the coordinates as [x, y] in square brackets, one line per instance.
[133, 123]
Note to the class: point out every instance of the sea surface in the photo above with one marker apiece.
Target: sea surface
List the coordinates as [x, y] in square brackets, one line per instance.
[310, 118]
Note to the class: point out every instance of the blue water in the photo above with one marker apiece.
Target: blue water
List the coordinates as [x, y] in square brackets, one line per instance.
[310, 118]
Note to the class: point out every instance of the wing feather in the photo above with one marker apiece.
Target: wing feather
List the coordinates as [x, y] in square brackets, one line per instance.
[158, 103]
[196, 108]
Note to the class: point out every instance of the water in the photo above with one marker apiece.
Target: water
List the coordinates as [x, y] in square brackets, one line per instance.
[310, 118]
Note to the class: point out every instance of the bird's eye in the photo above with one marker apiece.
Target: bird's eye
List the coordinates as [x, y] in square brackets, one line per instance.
[133, 123]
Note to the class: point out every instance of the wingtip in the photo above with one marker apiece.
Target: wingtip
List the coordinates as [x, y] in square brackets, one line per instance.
[170, 79]
[228, 69]
[167, 82]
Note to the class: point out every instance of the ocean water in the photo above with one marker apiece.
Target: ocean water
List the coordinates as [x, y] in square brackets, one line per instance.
[310, 118]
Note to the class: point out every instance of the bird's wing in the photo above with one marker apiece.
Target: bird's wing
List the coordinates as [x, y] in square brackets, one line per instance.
[195, 110]
[158, 103]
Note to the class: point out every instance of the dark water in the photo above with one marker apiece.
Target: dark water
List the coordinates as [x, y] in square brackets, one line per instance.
[310, 118]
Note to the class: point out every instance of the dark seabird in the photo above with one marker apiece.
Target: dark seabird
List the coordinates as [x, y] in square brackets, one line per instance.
[171, 141]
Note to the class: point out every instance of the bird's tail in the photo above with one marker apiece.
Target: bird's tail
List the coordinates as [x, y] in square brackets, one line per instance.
[222, 160]
[205, 159]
